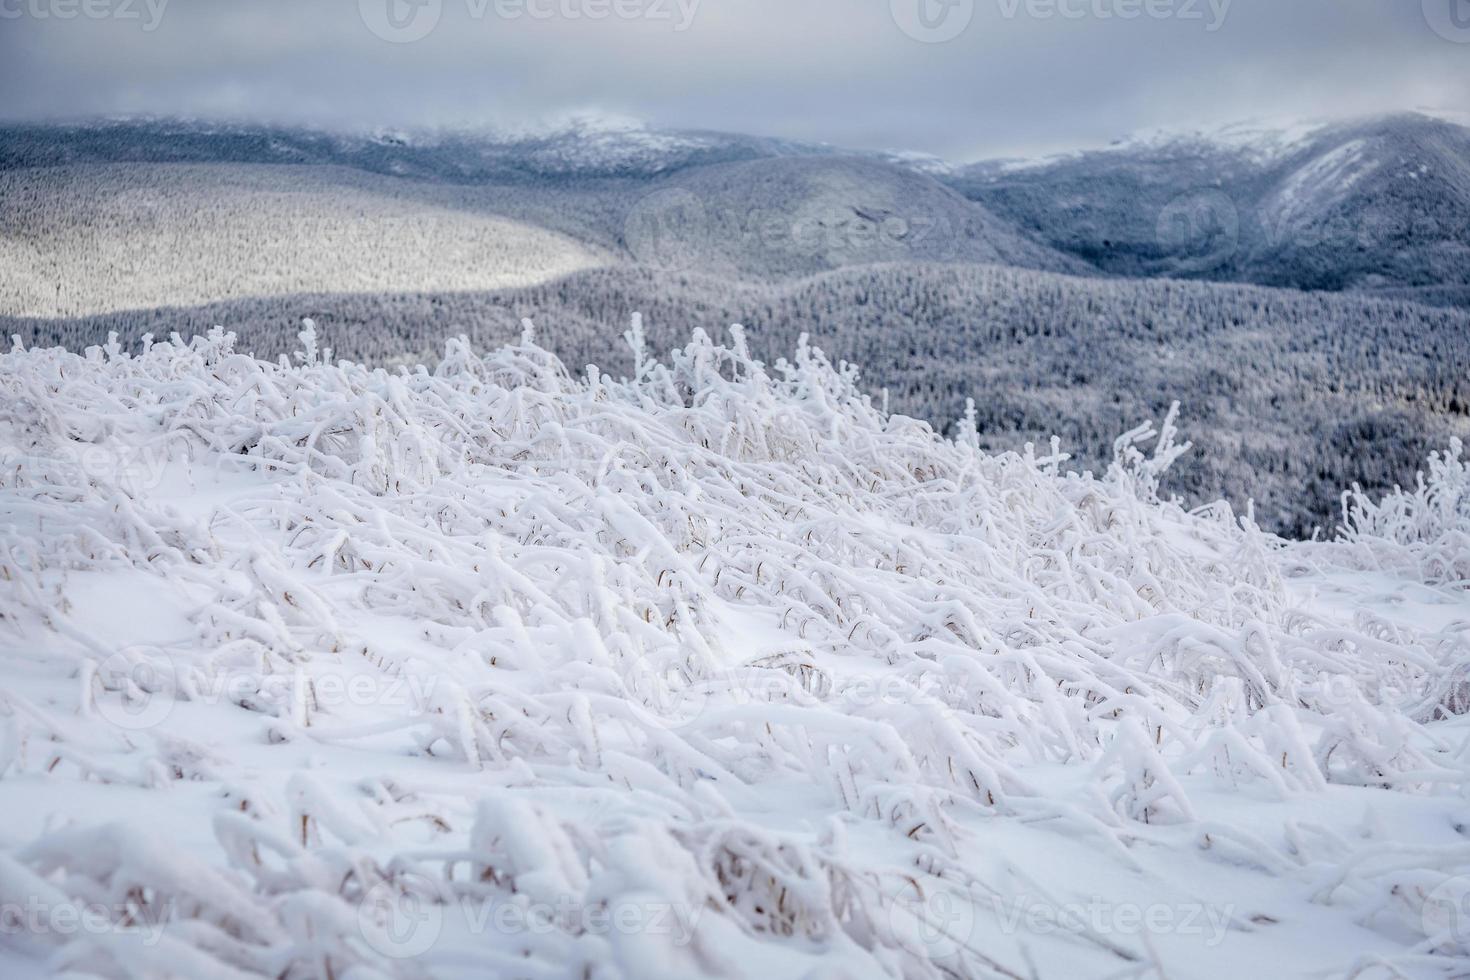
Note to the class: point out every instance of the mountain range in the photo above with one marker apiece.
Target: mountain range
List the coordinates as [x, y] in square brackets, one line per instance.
[1377, 205]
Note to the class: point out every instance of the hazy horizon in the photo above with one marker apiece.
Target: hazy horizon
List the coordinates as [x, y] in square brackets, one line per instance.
[959, 79]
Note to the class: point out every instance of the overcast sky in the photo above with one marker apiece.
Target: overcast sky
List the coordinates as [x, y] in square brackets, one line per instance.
[959, 78]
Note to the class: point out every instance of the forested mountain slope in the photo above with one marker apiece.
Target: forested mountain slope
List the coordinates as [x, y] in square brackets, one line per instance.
[779, 217]
[89, 239]
[1376, 204]
[84, 237]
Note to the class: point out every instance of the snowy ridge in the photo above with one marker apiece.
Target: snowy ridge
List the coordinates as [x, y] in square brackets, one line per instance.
[1262, 141]
[316, 670]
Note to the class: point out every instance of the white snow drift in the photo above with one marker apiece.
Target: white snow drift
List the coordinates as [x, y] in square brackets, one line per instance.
[315, 670]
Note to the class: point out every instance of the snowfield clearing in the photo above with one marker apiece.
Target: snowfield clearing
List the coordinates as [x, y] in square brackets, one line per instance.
[81, 240]
[501, 670]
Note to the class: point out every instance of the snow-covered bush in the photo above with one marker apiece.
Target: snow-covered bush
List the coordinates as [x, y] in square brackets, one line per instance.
[1425, 530]
[365, 656]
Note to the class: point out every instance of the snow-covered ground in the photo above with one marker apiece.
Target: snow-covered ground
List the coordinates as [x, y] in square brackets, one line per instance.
[97, 239]
[315, 670]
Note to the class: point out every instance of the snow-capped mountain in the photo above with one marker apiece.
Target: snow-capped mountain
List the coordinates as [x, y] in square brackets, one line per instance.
[1381, 204]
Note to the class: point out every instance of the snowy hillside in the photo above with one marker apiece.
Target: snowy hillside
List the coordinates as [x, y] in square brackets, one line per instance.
[84, 240]
[1369, 205]
[503, 669]
[781, 217]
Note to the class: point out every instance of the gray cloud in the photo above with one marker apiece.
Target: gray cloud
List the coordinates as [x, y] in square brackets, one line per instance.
[1016, 76]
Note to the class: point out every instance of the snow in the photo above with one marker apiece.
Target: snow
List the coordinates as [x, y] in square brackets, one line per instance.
[312, 669]
[1263, 141]
[1325, 179]
[113, 237]
[924, 163]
